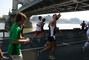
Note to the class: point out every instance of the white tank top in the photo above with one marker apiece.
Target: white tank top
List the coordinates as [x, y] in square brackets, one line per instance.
[52, 30]
[38, 26]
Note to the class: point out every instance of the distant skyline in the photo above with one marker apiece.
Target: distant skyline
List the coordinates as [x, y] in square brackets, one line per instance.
[5, 6]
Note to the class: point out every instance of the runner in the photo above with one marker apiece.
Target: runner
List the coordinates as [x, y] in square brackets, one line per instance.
[50, 45]
[16, 37]
[39, 27]
[52, 24]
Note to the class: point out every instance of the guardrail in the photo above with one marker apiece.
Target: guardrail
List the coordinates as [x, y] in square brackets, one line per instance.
[3, 31]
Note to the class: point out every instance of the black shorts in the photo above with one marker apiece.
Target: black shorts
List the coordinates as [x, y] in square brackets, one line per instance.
[51, 39]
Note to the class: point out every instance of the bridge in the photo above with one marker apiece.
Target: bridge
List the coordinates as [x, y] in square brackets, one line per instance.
[48, 6]
[31, 7]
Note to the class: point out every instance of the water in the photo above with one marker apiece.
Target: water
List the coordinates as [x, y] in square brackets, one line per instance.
[2, 25]
[60, 26]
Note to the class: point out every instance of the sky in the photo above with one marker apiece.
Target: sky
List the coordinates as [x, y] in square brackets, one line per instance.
[79, 15]
[5, 6]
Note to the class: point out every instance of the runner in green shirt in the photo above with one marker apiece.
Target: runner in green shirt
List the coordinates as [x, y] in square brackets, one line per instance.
[14, 48]
[14, 37]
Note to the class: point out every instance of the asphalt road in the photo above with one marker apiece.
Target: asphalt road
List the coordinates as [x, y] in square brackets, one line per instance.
[70, 52]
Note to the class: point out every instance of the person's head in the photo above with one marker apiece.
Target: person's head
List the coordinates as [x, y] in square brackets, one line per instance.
[55, 16]
[83, 21]
[43, 20]
[40, 17]
[20, 18]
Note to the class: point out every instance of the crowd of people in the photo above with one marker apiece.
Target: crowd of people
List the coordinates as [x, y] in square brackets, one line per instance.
[16, 37]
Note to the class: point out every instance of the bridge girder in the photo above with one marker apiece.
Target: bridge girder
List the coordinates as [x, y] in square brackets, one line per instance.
[64, 6]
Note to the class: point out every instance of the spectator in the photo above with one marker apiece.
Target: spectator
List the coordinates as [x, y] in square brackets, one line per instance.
[83, 25]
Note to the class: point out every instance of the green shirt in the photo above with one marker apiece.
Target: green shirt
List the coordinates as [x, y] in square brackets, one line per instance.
[14, 49]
